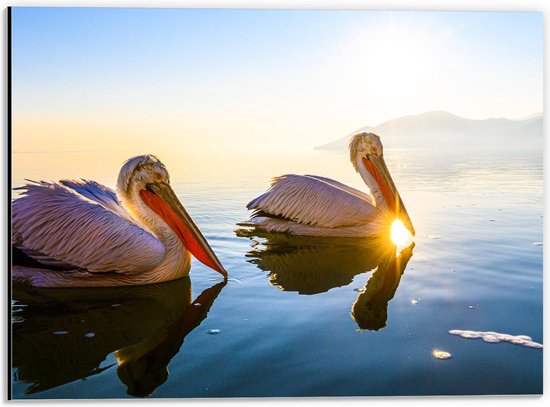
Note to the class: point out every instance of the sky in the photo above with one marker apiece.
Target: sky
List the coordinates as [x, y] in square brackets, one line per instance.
[220, 81]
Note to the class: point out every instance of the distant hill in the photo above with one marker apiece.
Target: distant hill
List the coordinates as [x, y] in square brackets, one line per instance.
[532, 116]
[442, 129]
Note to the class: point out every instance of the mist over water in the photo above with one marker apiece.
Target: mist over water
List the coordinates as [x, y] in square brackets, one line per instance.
[303, 318]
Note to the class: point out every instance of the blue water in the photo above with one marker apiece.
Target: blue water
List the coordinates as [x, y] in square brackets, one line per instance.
[313, 318]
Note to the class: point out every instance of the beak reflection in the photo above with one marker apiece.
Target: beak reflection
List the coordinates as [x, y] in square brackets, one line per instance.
[145, 326]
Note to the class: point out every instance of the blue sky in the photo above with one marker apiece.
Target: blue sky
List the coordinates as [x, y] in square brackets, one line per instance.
[292, 77]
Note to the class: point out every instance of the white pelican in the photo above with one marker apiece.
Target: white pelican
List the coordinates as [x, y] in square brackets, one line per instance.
[83, 234]
[310, 205]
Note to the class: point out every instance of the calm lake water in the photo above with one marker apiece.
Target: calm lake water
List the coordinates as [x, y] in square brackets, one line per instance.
[300, 317]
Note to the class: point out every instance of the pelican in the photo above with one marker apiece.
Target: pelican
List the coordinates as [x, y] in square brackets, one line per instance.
[83, 234]
[310, 205]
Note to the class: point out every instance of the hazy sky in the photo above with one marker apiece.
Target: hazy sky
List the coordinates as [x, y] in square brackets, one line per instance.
[154, 80]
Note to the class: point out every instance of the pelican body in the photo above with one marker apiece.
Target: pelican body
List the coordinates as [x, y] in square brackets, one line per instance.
[310, 205]
[83, 234]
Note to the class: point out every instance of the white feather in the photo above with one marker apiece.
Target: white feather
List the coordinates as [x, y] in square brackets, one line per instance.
[101, 194]
[316, 201]
[81, 229]
[378, 225]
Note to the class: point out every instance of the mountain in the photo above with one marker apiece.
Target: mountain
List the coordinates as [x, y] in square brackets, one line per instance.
[532, 116]
[442, 129]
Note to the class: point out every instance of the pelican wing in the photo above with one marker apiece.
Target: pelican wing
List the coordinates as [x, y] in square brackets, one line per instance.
[82, 224]
[101, 194]
[316, 201]
[351, 190]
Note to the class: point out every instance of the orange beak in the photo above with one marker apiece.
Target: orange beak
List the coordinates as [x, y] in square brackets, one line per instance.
[376, 166]
[163, 201]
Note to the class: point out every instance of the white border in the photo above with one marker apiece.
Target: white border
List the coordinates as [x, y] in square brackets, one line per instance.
[447, 5]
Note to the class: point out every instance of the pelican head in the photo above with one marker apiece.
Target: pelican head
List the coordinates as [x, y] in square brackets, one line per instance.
[137, 172]
[367, 156]
[144, 187]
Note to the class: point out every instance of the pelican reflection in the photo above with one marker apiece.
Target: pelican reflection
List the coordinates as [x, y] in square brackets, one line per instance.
[63, 335]
[312, 266]
[370, 309]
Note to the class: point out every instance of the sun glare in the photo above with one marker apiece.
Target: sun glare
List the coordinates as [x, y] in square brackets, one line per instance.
[391, 59]
[400, 236]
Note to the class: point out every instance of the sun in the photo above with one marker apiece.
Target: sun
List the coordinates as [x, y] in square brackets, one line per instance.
[400, 236]
[394, 64]
[398, 61]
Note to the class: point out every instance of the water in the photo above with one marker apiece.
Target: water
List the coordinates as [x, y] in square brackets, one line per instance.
[303, 318]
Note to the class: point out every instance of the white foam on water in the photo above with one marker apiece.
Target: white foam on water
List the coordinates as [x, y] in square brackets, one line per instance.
[527, 338]
[491, 338]
[469, 334]
[495, 337]
[518, 341]
[441, 354]
[506, 337]
[537, 243]
[532, 344]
